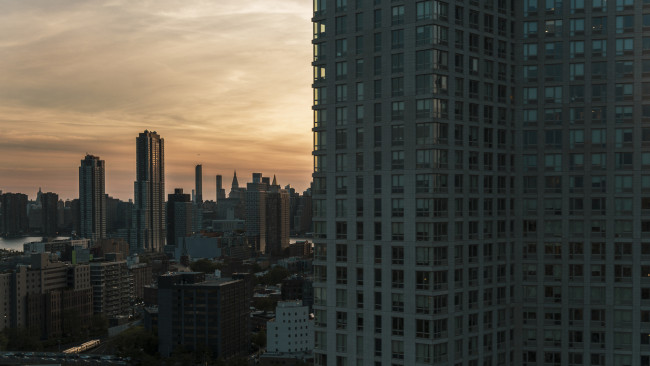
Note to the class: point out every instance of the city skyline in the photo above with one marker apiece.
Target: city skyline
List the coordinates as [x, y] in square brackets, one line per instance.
[86, 78]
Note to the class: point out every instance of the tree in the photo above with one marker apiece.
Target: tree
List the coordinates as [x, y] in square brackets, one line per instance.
[98, 325]
[274, 276]
[259, 339]
[72, 325]
[21, 339]
[204, 265]
[139, 344]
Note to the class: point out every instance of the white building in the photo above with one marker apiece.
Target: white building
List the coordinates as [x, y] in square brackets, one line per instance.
[292, 330]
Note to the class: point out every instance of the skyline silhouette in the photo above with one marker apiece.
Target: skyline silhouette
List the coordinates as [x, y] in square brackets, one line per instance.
[227, 84]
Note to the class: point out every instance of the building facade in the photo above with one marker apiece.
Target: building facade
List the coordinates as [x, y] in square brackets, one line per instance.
[180, 216]
[256, 212]
[277, 222]
[292, 329]
[112, 287]
[202, 316]
[479, 182]
[92, 198]
[149, 209]
[583, 157]
[221, 192]
[14, 214]
[49, 298]
[50, 214]
[413, 182]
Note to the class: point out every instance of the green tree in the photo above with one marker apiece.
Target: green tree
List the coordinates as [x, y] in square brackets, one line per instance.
[204, 265]
[274, 276]
[259, 339]
[98, 325]
[22, 339]
[139, 344]
[72, 325]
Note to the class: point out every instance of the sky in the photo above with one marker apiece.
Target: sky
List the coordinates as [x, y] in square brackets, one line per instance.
[226, 83]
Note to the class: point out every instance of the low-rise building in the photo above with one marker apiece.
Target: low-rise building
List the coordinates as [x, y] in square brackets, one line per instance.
[292, 330]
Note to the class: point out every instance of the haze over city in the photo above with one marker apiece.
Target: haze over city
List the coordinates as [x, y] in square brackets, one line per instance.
[214, 79]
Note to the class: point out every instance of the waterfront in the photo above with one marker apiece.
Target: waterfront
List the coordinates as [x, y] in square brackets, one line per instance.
[17, 243]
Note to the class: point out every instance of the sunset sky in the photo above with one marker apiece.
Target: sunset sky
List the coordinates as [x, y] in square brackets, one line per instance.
[226, 83]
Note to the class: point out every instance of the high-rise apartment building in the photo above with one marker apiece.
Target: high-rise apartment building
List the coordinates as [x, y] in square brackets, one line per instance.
[479, 182]
[149, 209]
[583, 234]
[414, 182]
[92, 198]
[180, 216]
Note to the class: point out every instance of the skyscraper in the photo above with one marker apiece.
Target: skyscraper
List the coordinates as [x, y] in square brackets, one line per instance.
[479, 187]
[221, 192]
[277, 224]
[180, 216]
[198, 182]
[234, 187]
[256, 212]
[50, 213]
[149, 208]
[583, 150]
[92, 199]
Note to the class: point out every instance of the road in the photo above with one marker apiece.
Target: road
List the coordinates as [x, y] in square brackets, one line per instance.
[51, 358]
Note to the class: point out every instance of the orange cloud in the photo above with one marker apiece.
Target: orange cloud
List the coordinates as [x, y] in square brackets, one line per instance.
[226, 84]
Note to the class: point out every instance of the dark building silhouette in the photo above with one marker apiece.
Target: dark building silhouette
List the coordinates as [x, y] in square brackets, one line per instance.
[149, 209]
[75, 213]
[14, 214]
[198, 314]
[235, 190]
[277, 224]
[49, 298]
[298, 288]
[304, 214]
[179, 215]
[256, 212]
[112, 215]
[50, 213]
[92, 199]
[221, 192]
[198, 184]
[65, 217]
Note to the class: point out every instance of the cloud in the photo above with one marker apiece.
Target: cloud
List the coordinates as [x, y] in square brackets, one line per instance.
[228, 80]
